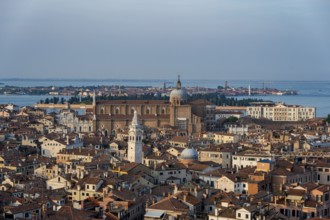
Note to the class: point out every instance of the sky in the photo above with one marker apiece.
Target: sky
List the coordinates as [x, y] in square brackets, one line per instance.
[152, 39]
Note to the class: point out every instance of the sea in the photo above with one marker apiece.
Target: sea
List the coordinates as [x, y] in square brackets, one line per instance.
[310, 93]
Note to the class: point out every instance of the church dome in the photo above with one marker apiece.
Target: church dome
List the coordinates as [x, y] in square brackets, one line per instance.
[189, 154]
[178, 94]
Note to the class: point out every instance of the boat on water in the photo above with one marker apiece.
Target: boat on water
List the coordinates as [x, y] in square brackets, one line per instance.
[287, 92]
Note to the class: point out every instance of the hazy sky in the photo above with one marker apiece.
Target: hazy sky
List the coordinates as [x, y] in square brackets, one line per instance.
[201, 39]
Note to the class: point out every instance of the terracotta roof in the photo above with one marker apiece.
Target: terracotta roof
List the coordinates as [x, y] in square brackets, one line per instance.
[183, 139]
[297, 192]
[281, 172]
[323, 188]
[23, 208]
[188, 198]
[162, 190]
[170, 204]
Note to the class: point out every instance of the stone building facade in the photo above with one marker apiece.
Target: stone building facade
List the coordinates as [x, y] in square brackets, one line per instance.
[193, 117]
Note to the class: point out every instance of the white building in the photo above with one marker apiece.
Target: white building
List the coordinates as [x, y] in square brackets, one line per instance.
[223, 138]
[221, 114]
[281, 111]
[76, 123]
[50, 148]
[248, 160]
[134, 153]
[240, 130]
[323, 173]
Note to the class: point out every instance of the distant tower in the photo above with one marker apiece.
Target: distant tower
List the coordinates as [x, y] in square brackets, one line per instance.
[263, 86]
[94, 99]
[249, 90]
[164, 87]
[80, 94]
[134, 153]
[226, 84]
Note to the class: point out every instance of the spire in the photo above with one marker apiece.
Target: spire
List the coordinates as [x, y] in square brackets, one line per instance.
[178, 83]
[94, 100]
[135, 119]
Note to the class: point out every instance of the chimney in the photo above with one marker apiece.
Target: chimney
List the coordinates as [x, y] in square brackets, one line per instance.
[216, 212]
[185, 197]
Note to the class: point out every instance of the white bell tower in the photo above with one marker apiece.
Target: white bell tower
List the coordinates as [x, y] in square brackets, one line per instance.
[134, 153]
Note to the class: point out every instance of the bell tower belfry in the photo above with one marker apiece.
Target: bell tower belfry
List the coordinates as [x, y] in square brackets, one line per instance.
[134, 152]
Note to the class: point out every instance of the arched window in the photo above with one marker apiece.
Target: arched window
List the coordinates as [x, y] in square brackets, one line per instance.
[132, 111]
[117, 111]
[163, 111]
[148, 111]
[102, 110]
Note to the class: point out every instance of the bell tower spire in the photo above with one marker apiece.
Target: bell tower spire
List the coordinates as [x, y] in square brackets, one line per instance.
[178, 83]
[134, 153]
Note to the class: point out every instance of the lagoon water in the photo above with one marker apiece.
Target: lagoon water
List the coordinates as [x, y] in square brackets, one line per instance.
[310, 93]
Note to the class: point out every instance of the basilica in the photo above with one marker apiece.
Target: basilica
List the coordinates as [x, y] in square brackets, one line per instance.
[189, 117]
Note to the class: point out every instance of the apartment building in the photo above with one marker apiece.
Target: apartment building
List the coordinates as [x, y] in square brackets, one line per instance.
[281, 111]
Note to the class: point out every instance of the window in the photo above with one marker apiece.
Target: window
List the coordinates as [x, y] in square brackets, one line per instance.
[239, 215]
[181, 123]
[247, 216]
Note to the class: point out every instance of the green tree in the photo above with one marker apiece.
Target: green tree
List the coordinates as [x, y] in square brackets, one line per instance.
[231, 119]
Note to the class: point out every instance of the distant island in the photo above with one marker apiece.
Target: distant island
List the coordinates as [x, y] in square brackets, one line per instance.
[116, 90]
